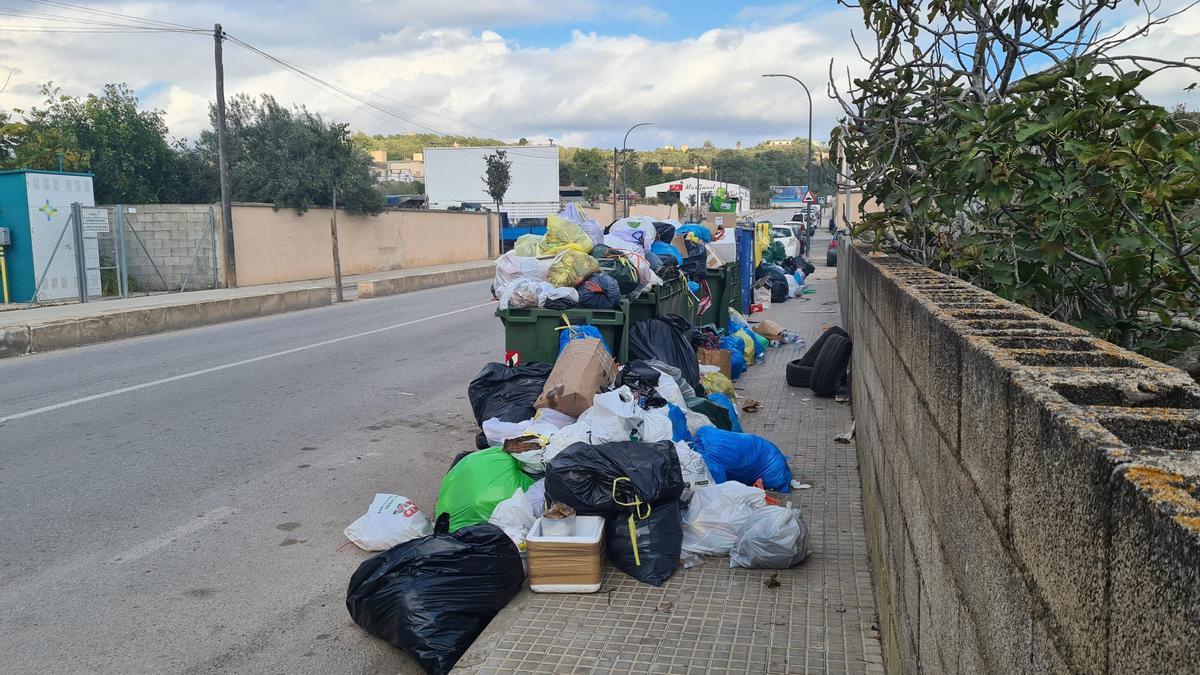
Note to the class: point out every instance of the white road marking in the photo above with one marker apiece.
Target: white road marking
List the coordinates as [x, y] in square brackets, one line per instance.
[155, 544]
[235, 364]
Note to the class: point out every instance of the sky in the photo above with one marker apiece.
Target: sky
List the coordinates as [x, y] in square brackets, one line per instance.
[579, 72]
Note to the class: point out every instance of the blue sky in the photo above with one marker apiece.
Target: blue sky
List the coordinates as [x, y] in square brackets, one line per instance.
[577, 71]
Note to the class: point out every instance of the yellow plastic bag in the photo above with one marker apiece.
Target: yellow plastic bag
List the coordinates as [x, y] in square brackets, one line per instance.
[571, 267]
[748, 350]
[563, 235]
[528, 246]
[718, 383]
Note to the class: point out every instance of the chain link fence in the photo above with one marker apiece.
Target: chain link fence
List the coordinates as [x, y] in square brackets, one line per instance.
[86, 254]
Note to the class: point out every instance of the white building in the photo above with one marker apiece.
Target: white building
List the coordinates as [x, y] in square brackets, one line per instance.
[686, 190]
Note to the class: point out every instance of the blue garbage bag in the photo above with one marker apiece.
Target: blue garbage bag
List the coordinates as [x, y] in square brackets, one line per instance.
[700, 231]
[737, 358]
[663, 249]
[745, 457]
[693, 287]
[799, 277]
[580, 331]
[723, 401]
[679, 429]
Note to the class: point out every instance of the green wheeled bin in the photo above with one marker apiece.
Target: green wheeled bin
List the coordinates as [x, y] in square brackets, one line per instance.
[532, 334]
[670, 297]
[725, 291]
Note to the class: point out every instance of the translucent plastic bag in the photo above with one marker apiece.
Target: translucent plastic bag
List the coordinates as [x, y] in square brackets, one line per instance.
[390, 520]
[511, 267]
[717, 383]
[557, 293]
[562, 234]
[717, 514]
[570, 268]
[775, 538]
[514, 516]
[523, 293]
[643, 224]
[694, 468]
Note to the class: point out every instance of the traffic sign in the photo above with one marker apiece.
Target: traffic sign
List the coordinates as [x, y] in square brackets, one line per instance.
[809, 198]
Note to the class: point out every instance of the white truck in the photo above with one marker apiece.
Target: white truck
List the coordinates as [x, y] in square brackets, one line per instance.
[455, 176]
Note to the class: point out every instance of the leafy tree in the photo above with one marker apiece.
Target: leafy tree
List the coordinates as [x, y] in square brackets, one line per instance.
[590, 169]
[1026, 161]
[498, 176]
[399, 187]
[292, 158]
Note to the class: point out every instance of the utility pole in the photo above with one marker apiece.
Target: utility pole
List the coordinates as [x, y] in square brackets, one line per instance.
[337, 258]
[614, 183]
[223, 162]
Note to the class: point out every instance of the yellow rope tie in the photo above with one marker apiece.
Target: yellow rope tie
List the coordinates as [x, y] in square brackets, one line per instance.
[634, 513]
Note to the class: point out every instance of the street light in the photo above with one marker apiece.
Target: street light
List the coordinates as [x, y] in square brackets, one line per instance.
[624, 162]
[807, 210]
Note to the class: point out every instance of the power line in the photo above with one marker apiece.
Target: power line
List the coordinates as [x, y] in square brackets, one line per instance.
[114, 15]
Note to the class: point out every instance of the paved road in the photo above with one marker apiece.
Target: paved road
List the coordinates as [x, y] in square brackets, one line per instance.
[194, 524]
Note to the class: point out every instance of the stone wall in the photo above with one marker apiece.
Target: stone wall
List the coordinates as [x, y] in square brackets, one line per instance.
[1030, 491]
[179, 242]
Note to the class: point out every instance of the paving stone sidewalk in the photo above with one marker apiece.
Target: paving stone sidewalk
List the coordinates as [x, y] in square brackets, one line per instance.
[710, 618]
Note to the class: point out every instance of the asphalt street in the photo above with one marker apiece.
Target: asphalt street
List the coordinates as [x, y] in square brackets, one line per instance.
[176, 502]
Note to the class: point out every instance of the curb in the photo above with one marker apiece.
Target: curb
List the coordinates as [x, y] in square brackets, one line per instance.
[118, 325]
[379, 288]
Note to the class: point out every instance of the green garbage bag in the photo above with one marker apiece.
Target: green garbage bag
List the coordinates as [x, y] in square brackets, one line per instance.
[623, 271]
[473, 487]
[775, 253]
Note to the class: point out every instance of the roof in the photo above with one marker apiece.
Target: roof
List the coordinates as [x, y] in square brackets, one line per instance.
[48, 171]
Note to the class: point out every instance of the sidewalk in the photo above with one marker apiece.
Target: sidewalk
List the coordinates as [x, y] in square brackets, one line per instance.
[821, 617]
[51, 327]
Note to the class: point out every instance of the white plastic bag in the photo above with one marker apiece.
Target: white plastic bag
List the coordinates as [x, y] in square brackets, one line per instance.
[717, 514]
[775, 538]
[653, 425]
[669, 389]
[557, 293]
[794, 288]
[536, 496]
[497, 432]
[695, 470]
[579, 432]
[612, 416]
[643, 224]
[523, 293]
[510, 268]
[390, 520]
[514, 517]
[552, 416]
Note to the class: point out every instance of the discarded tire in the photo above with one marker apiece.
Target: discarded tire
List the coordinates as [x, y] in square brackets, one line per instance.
[830, 366]
[798, 375]
[810, 356]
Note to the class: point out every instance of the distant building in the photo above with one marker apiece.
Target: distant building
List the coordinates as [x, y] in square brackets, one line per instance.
[569, 194]
[699, 190]
[777, 142]
[401, 170]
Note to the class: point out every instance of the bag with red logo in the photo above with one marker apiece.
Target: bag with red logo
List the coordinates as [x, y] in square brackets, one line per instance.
[391, 520]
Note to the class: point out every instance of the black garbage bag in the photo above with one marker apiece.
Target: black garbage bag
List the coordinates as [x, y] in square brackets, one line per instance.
[696, 261]
[659, 541]
[582, 476]
[561, 304]
[805, 266]
[664, 232]
[715, 412]
[622, 270]
[661, 340]
[433, 596]
[789, 265]
[668, 270]
[599, 291]
[779, 290]
[507, 392]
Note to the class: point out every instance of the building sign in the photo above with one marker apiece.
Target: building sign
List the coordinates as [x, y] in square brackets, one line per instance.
[94, 220]
[675, 187]
[788, 195]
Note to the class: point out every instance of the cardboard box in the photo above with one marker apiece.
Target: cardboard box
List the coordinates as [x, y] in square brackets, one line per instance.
[583, 368]
[715, 261]
[716, 357]
[571, 564]
[770, 330]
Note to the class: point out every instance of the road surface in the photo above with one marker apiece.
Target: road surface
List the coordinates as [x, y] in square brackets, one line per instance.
[176, 502]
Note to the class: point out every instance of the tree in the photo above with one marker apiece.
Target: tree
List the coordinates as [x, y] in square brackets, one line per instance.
[498, 176]
[591, 169]
[292, 158]
[1012, 148]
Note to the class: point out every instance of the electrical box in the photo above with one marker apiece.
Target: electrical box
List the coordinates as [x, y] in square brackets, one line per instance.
[5, 237]
[36, 207]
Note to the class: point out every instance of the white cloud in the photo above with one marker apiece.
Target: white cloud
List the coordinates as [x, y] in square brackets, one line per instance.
[646, 14]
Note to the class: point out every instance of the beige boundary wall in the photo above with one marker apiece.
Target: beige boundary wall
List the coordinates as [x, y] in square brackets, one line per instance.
[277, 246]
[603, 212]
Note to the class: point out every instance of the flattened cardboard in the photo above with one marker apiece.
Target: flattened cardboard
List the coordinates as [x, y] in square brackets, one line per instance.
[583, 368]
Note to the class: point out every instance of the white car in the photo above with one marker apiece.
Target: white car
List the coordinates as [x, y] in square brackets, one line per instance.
[791, 245]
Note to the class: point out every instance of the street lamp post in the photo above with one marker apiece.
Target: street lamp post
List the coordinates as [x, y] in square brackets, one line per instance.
[624, 162]
[807, 209]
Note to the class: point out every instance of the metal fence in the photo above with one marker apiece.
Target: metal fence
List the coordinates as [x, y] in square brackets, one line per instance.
[99, 253]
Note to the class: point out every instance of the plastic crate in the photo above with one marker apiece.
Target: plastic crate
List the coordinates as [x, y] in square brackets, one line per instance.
[530, 334]
[671, 297]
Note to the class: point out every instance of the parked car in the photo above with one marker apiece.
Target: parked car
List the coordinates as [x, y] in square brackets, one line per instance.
[792, 245]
